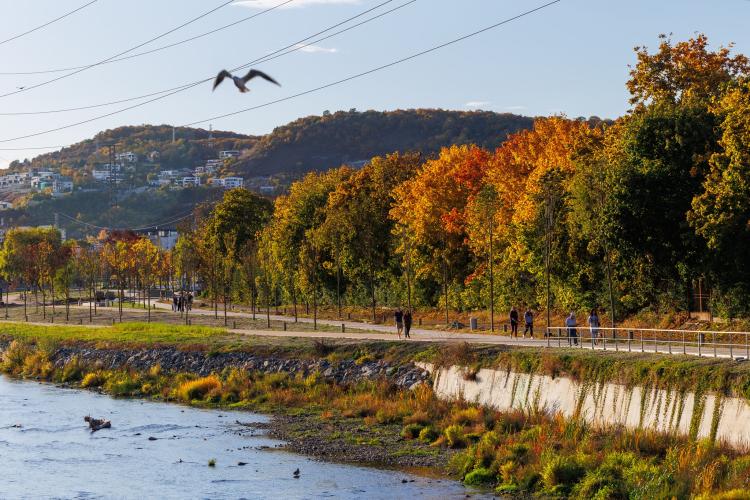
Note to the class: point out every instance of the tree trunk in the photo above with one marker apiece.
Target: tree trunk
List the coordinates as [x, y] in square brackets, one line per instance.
[338, 284]
[372, 292]
[492, 283]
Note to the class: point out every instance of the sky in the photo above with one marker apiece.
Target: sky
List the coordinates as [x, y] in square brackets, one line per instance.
[570, 58]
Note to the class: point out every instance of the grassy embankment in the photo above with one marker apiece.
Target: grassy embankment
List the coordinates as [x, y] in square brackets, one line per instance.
[531, 452]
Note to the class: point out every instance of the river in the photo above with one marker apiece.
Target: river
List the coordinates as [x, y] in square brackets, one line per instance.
[47, 452]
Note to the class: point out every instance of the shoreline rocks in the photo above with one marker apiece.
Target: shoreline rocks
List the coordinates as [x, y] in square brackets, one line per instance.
[172, 359]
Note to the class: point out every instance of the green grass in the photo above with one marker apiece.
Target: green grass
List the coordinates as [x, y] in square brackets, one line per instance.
[140, 333]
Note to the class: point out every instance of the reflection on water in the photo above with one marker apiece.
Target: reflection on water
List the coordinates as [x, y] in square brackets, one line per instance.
[47, 452]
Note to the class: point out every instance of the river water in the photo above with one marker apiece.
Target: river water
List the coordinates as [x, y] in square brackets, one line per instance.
[47, 452]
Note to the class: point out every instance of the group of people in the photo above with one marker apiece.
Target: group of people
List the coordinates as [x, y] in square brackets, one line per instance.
[528, 319]
[570, 323]
[182, 301]
[403, 322]
[593, 322]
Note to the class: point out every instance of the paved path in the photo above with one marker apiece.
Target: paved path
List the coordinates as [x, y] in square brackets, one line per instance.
[386, 332]
[356, 330]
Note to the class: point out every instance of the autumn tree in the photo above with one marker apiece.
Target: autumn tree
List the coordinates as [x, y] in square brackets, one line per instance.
[357, 220]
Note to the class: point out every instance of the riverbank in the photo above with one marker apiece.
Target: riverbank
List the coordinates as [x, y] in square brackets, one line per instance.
[373, 403]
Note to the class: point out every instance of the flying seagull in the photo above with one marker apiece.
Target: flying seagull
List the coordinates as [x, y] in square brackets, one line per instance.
[240, 83]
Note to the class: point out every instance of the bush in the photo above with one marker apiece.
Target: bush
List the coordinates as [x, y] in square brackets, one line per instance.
[428, 434]
[15, 356]
[93, 379]
[561, 473]
[72, 370]
[480, 476]
[454, 434]
[411, 431]
[199, 388]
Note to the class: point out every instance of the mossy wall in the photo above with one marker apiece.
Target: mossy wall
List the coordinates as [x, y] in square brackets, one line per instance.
[695, 414]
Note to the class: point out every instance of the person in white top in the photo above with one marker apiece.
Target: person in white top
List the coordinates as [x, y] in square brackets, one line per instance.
[570, 322]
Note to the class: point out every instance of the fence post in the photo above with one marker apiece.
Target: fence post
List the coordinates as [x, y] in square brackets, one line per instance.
[713, 336]
[731, 352]
[684, 349]
[284, 325]
[559, 337]
[669, 343]
[700, 345]
[656, 346]
[641, 331]
[547, 334]
[234, 325]
[604, 339]
[343, 328]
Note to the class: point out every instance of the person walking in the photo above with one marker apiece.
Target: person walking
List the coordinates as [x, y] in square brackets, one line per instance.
[528, 318]
[174, 302]
[513, 322]
[190, 301]
[594, 323]
[407, 323]
[570, 322]
[399, 317]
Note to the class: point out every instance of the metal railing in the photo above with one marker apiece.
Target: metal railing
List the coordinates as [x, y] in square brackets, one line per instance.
[734, 345]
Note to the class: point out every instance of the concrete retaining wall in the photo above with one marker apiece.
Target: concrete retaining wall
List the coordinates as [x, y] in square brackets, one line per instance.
[602, 404]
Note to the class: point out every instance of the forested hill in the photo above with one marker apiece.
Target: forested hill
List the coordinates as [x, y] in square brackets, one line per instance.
[321, 142]
[191, 146]
[310, 143]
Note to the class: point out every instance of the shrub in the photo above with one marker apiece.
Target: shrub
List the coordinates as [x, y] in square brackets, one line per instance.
[14, 357]
[480, 476]
[561, 473]
[468, 416]
[37, 365]
[198, 388]
[428, 434]
[72, 371]
[454, 434]
[93, 379]
[411, 431]
[418, 417]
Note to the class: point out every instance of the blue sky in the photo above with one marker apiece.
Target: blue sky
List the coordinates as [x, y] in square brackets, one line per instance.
[571, 58]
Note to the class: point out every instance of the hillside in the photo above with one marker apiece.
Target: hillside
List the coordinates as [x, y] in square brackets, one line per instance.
[190, 147]
[321, 142]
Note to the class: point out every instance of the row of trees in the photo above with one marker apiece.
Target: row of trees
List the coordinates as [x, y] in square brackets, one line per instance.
[622, 216]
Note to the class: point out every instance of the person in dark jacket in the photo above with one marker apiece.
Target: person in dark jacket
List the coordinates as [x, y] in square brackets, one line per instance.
[398, 315]
[407, 323]
[513, 322]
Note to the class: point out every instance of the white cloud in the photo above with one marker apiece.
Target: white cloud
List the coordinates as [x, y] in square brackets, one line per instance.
[315, 49]
[267, 4]
[515, 108]
[477, 104]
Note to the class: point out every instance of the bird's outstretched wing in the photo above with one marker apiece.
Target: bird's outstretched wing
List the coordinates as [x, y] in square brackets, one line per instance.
[220, 77]
[254, 72]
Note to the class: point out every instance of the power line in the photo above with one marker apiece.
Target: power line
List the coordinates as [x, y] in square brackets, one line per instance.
[294, 47]
[379, 68]
[162, 35]
[167, 222]
[163, 47]
[313, 90]
[32, 30]
[273, 55]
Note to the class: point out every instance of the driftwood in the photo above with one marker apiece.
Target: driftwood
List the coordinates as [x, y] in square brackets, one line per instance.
[95, 424]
